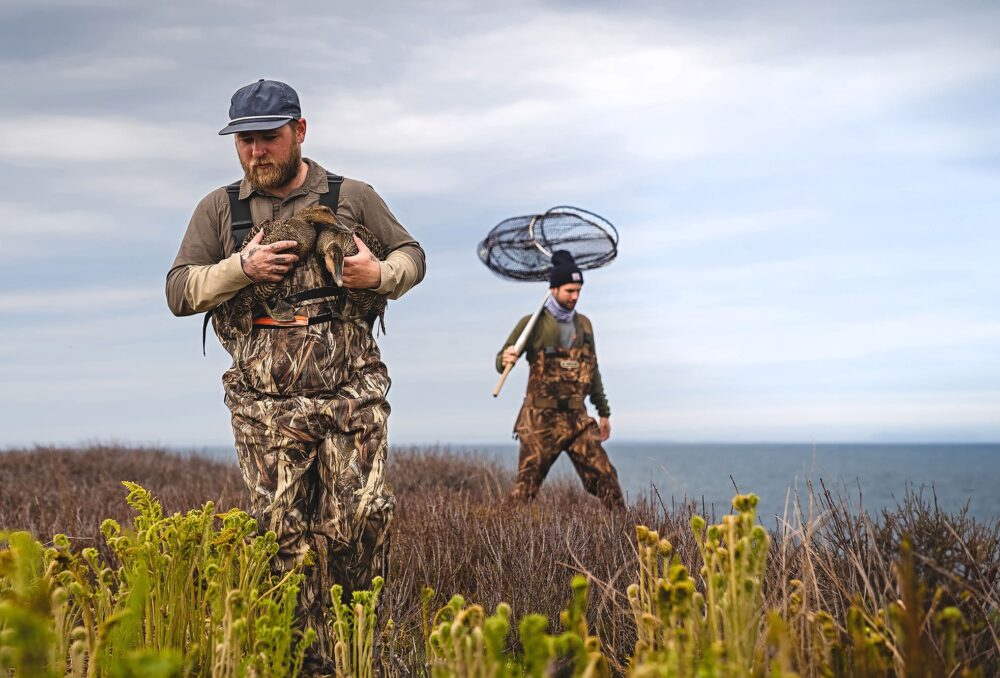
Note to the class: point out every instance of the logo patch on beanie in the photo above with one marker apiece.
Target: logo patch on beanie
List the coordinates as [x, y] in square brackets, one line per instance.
[576, 277]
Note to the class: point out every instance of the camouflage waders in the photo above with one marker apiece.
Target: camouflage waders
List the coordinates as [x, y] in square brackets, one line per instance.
[309, 418]
[554, 418]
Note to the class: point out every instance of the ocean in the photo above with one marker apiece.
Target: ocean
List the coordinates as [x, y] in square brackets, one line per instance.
[875, 476]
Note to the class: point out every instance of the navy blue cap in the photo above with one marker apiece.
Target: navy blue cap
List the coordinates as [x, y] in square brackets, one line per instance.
[266, 104]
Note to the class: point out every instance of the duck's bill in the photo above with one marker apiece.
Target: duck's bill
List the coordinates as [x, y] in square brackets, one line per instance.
[335, 264]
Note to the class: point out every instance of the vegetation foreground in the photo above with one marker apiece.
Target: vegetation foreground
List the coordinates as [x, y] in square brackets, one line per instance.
[176, 581]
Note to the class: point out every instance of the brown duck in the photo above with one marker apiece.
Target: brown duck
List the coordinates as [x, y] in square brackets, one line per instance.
[315, 229]
[336, 242]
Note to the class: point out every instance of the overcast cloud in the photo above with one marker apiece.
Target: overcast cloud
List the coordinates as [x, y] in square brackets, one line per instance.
[807, 199]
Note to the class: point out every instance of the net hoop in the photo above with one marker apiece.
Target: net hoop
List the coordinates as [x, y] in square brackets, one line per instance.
[520, 248]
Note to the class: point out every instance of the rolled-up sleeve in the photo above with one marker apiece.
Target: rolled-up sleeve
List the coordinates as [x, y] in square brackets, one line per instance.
[400, 272]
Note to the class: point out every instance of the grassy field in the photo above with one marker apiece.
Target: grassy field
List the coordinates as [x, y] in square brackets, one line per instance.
[911, 591]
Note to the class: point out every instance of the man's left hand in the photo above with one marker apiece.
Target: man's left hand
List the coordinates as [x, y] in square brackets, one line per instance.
[362, 271]
[605, 425]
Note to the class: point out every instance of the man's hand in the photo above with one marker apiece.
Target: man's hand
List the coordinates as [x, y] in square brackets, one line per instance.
[605, 425]
[362, 271]
[265, 263]
[509, 356]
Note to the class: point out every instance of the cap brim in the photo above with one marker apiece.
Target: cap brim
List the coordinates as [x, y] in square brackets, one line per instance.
[254, 125]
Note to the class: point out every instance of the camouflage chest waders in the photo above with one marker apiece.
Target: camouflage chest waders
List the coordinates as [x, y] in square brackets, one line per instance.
[309, 417]
[554, 418]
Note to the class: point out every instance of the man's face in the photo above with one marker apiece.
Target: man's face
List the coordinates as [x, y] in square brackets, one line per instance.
[271, 158]
[567, 295]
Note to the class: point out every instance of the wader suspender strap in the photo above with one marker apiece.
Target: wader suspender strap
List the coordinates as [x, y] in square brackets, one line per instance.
[242, 223]
[332, 196]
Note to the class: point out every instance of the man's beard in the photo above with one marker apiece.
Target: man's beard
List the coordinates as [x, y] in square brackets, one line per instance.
[276, 173]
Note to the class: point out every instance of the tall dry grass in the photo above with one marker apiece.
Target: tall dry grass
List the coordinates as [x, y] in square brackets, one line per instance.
[451, 533]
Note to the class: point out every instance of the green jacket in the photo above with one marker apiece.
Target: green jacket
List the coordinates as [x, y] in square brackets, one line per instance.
[546, 335]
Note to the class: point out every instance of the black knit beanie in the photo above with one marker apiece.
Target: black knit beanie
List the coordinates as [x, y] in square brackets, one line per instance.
[564, 269]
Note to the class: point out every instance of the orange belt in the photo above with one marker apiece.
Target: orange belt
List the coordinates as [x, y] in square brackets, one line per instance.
[299, 321]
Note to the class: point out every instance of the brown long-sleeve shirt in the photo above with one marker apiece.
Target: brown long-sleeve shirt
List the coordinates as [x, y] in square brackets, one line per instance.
[207, 269]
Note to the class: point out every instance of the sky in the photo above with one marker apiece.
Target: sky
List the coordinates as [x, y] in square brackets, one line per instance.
[807, 198]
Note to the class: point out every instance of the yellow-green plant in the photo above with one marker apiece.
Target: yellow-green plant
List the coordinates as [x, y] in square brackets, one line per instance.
[194, 595]
[575, 647]
[684, 632]
[577, 641]
[277, 650]
[461, 640]
[27, 639]
[190, 594]
[353, 630]
[669, 612]
[34, 610]
[735, 556]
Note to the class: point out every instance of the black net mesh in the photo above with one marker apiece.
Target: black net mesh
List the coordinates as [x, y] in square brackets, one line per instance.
[520, 248]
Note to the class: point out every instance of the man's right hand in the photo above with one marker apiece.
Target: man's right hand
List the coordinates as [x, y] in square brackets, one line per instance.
[266, 263]
[509, 356]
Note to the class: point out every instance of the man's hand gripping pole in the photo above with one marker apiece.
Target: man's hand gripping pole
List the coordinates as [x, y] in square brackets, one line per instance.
[520, 343]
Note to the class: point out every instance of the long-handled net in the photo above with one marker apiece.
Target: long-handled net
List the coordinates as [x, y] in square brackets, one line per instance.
[520, 248]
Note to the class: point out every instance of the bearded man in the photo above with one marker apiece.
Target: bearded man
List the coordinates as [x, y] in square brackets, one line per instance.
[307, 397]
[563, 363]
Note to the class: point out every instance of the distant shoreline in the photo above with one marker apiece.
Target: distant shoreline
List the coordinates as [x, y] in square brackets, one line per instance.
[878, 475]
